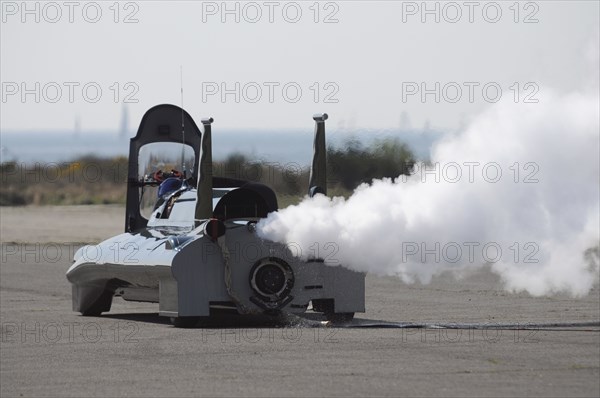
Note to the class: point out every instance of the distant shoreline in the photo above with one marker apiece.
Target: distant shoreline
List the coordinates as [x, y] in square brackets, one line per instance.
[30, 147]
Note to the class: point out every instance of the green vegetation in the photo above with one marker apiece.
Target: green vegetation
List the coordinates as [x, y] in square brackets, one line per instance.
[354, 163]
[93, 180]
[88, 180]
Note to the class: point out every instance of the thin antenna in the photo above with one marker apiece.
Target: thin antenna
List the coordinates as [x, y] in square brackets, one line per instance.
[182, 123]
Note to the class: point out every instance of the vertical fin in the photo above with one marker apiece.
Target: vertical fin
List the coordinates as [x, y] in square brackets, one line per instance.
[318, 171]
[204, 207]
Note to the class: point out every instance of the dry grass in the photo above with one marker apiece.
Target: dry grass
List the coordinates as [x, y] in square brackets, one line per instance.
[84, 181]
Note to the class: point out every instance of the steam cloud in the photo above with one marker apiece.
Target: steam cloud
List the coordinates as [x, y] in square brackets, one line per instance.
[536, 224]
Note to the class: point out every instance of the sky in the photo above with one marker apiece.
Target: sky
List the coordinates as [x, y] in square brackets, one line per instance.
[366, 64]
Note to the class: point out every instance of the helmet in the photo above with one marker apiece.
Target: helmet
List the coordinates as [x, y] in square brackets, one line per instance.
[169, 186]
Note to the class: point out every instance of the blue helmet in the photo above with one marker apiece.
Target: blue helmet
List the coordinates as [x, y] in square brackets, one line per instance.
[169, 186]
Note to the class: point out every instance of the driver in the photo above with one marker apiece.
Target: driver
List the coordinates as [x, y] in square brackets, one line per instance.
[165, 193]
[170, 183]
[169, 186]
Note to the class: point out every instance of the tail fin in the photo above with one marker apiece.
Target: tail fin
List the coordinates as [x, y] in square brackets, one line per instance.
[318, 171]
[204, 205]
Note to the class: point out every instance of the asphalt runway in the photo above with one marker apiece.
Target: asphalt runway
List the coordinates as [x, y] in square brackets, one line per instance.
[48, 350]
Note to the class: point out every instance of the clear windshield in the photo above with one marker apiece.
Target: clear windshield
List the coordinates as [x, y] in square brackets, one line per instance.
[156, 157]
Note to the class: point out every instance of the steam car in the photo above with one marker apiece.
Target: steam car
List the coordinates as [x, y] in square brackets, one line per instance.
[190, 241]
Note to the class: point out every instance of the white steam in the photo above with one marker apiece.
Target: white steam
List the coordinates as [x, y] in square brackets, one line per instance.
[533, 223]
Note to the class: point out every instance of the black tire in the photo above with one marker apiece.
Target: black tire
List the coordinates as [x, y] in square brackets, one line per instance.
[185, 321]
[340, 317]
[327, 307]
[322, 305]
[101, 305]
[91, 313]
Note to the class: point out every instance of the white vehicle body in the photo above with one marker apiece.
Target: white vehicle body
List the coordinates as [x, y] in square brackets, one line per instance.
[193, 256]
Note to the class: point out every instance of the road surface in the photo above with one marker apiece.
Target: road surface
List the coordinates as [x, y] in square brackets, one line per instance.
[49, 350]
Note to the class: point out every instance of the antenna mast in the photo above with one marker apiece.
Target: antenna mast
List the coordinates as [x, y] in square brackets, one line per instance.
[182, 123]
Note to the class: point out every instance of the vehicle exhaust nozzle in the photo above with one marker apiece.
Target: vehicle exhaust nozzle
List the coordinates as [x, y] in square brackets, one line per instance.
[318, 171]
[204, 208]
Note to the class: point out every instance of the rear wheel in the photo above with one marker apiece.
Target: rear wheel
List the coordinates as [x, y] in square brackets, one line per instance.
[340, 317]
[185, 321]
[327, 307]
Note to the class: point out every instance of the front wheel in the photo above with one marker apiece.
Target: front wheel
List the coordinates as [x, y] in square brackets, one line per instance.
[100, 305]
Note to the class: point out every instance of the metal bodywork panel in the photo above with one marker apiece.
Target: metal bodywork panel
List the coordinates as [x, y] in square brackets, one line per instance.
[185, 281]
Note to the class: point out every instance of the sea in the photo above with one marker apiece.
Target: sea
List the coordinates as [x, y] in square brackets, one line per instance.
[29, 147]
